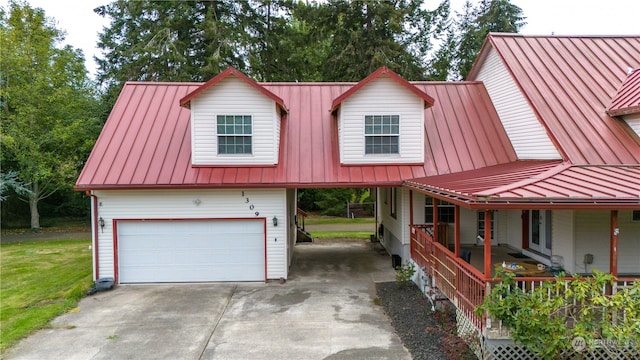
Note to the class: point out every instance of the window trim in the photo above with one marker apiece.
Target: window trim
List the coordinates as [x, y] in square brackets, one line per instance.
[393, 207]
[219, 135]
[428, 204]
[382, 135]
[480, 219]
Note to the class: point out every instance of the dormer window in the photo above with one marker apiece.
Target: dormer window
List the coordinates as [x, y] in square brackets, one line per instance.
[382, 134]
[234, 134]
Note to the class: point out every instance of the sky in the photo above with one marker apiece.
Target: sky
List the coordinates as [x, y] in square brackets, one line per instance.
[544, 17]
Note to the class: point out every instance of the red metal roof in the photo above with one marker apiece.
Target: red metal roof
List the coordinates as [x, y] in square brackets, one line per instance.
[627, 99]
[146, 141]
[386, 72]
[569, 82]
[538, 184]
[230, 71]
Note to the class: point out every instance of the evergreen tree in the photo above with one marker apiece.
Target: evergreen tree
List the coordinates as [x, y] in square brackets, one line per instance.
[475, 24]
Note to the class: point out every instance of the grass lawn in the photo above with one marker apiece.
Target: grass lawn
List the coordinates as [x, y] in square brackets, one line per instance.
[341, 234]
[338, 220]
[39, 281]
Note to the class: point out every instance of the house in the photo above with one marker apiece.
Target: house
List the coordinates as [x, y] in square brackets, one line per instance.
[538, 152]
[197, 182]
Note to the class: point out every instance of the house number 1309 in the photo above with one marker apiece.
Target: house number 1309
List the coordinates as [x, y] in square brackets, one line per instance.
[251, 207]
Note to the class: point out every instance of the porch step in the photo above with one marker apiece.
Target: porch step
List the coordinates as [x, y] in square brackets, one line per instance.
[303, 236]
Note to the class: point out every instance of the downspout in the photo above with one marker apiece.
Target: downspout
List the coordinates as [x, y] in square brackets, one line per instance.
[94, 226]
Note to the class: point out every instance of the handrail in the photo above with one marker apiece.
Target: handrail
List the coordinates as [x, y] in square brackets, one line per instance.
[463, 284]
[301, 214]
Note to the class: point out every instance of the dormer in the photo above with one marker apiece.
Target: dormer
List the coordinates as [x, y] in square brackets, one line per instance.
[626, 103]
[381, 121]
[234, 121]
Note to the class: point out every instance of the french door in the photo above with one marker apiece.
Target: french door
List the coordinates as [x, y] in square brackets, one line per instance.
[540, 231]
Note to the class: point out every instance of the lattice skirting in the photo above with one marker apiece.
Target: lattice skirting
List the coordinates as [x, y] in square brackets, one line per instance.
[506, 349]
[470, 333]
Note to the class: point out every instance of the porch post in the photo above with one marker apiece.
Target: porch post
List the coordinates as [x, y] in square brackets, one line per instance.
[613, 251]
[435, 220]
[456, 230]
[487, 244]
[410, 207]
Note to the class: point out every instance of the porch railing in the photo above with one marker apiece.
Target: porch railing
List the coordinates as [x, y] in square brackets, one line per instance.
[464, 285]
[301, 215]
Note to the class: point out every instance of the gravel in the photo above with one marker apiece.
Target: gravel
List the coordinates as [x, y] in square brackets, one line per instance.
[413, 320]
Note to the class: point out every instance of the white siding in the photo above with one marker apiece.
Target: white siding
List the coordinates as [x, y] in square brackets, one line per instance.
[396, 239]
[628, 244]
[468, 226]
[382, 96]
[234, 97]
[527, 135]
[183, 204]
[634, 122]
[511, 221]
[562, 238]
[291, 224]
[592, 236]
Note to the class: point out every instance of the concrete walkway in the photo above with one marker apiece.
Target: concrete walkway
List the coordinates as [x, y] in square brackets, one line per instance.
[325, 310]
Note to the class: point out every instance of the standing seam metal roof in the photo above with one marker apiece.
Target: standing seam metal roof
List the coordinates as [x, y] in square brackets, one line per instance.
[146, 141]
[570, 81]
[627, 99]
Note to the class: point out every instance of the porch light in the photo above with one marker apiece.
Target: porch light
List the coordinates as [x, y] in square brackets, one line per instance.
[275, 221]
[101, 223]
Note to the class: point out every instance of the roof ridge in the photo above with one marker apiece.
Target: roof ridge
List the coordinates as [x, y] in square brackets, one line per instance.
[528, 181]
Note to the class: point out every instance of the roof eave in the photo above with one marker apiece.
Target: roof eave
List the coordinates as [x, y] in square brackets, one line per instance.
[383, 71]
[231, 71]
[624, 111]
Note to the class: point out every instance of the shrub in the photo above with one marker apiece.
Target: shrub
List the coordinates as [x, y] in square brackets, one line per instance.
[547, 319]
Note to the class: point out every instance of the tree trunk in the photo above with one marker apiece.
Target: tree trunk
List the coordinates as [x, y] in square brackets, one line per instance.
[33, 207]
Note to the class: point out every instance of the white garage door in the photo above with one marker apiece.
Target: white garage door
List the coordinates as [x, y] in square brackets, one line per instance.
[191, 251]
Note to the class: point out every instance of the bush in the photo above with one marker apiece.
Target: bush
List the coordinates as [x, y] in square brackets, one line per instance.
[547, 319]
[404, 273]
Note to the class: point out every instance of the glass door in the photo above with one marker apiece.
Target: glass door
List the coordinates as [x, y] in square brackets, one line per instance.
[540, 231]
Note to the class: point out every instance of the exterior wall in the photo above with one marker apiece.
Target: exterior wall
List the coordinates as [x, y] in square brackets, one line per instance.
[292, 231]
[511, 221]
[628, 244]
[181, 204]
[234, 97]
[563, 241]
[592, 236]
[382, 96]
[396, 230]
[527, 135]
[634, 122]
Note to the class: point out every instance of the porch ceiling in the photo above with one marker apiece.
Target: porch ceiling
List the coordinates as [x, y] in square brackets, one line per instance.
[538, 185]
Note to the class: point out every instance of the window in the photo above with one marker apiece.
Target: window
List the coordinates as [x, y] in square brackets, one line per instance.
[481, 224]
[381, 134]
[234, 134]
[394, 203]
[446, 211]
[635, 215]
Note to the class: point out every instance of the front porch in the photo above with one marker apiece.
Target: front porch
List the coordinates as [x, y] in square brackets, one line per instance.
[466, 283]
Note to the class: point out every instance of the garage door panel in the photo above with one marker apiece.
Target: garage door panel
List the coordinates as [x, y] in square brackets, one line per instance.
[191, 251]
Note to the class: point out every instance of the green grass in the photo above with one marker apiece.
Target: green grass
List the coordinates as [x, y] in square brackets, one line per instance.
[341, 234]
[319, 221]
[40, 280]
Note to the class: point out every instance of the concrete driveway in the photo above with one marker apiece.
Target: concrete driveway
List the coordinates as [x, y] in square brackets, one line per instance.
[325, 310]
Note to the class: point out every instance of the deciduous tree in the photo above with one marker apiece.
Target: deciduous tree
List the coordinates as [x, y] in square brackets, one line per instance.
[47, 103]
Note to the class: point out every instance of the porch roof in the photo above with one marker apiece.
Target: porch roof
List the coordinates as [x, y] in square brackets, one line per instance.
[537, 185]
